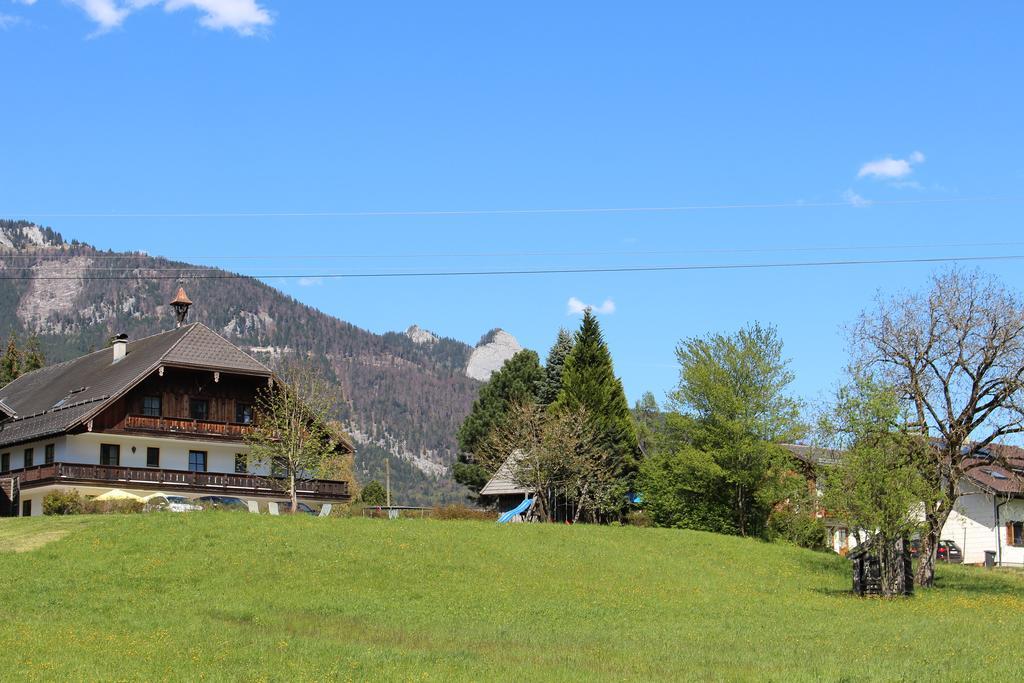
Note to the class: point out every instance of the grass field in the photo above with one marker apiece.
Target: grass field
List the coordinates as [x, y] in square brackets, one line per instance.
[221, 596]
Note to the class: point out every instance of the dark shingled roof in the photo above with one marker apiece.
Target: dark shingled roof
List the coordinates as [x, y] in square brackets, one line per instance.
[56, 398]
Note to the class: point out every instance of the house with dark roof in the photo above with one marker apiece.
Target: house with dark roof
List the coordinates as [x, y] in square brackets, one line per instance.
[988, 516]
[167, 413]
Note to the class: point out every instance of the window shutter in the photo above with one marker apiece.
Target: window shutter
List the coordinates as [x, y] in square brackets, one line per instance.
[1009, 533]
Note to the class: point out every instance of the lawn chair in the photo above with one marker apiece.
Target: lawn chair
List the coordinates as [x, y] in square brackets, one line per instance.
[325, 511]
[254, 507]
[272, 509]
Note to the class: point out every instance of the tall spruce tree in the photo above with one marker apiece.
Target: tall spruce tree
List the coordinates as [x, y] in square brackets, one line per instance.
[33, 358]
[589, 383]
[517, 382]
[10, 363]
[551, 385]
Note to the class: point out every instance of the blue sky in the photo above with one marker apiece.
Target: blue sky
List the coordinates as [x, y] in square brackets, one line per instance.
[876, 131]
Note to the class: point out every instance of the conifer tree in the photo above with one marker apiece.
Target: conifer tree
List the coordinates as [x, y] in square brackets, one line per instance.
[33, 358]
[589, 383]
[515, 383]
[551, 385]
[10, 363]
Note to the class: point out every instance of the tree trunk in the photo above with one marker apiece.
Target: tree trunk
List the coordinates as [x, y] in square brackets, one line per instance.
[934, 521]
[292, 493]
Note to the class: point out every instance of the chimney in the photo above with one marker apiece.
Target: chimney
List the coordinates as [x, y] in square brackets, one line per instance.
[120, 347]
[180, 305]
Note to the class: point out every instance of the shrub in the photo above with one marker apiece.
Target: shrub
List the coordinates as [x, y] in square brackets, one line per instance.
[63, 503]
[638, 518]
[448, 512]
[797, 527]
[113, 507]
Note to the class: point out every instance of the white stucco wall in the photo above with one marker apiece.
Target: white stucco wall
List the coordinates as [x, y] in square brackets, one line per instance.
[220, 457]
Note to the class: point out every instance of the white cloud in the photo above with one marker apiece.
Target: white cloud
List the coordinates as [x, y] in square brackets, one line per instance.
[889, 167]
[8, 20]
[310, 281]
[855, 199]
[24, 2]
[577, 307]
[245, 17]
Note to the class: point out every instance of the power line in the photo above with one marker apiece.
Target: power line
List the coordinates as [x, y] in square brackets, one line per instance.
[541, 271]
[506, 254]
[513, 212]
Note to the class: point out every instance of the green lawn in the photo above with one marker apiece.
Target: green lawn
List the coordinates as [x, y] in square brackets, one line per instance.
[221, 596]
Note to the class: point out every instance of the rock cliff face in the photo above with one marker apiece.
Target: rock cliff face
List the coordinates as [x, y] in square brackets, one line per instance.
[490, 354]
[421, 336]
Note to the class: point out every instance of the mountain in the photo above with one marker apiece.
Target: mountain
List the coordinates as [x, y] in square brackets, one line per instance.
[496, 347]
[403, 395]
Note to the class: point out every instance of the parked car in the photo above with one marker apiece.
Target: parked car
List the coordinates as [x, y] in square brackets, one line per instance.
[948, 551]
[170, 504]
[222, 503]
[285, 506]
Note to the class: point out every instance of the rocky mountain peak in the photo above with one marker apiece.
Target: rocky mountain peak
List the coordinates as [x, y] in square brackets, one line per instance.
[25, 235]
[496, 347]
[420, 336]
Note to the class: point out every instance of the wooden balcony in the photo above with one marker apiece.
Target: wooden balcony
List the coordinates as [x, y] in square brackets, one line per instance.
[172, 481]
[232, 431]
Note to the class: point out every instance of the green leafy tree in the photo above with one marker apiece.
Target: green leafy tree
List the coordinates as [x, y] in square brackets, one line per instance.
[733, 390]
[551, 384]
[374, 494]
[291, 435]
[878, 487]
[10, 363]
[516, 382]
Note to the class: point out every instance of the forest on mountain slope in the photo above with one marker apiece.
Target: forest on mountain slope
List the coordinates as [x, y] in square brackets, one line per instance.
[400, 398]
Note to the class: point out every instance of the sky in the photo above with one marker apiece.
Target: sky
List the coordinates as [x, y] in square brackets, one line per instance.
[312, 138]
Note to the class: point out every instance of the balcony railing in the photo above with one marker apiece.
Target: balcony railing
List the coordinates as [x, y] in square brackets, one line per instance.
[182, 425]
[170, 481]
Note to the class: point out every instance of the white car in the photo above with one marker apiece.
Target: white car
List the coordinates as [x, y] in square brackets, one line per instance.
[171, 504]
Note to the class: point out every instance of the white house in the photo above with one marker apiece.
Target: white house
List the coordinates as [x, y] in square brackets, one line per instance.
[165, 413]
[988, 515]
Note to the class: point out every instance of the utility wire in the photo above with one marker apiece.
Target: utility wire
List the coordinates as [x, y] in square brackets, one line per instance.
[512, 212]
[542, 271]
[35, 255]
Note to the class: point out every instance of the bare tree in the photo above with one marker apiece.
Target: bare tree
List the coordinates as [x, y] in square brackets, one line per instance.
[556, 454]
[955, 354]
[292, 436]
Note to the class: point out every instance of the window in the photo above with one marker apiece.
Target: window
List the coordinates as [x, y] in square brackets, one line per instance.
[110, 454]
[48, 454]
[5, 462]
[151, 406]
[278, 466]
[1015, 533]
[29, 457]
[26, 508]
[241, 463]
[197, 461]
[152, 457]
[243, 413]
[198, 408]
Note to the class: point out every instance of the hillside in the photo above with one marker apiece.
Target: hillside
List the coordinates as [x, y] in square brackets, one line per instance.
[361, 599]
[401, 394]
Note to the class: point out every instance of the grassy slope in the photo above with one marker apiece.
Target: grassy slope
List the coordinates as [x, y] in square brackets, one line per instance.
[231, 596]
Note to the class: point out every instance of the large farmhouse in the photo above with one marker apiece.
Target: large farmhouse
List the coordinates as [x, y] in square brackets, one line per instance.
[165, 413]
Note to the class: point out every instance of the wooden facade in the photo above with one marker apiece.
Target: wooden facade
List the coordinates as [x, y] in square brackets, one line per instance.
[171, 481]
[227, 401]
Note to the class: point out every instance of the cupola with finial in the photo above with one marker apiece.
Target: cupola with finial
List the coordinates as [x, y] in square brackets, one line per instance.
[180, 305]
